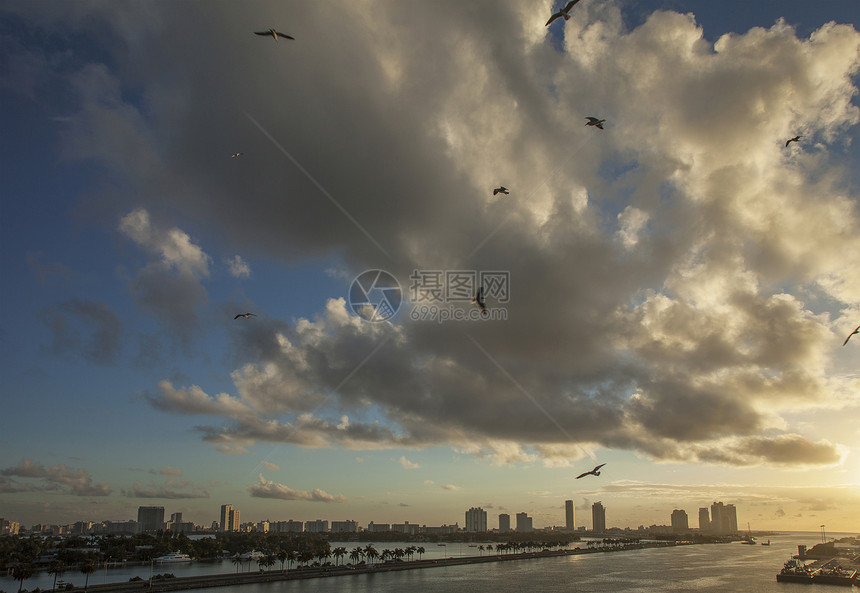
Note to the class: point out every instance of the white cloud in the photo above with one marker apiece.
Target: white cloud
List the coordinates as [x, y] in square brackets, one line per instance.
[267, 489]
[408, 464]
[238, 267]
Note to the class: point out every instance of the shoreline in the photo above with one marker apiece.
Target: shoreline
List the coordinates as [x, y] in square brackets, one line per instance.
[228, 579]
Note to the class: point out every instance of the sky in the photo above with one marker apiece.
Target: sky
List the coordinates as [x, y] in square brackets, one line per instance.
[668, 295]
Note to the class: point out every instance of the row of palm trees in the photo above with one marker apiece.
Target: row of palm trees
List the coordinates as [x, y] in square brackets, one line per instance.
[25, 570]
[322, 555]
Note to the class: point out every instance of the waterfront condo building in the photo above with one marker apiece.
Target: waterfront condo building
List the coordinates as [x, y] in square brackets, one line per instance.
[679, 521]
[344, 527]
[476, 519]
[317, 526]
[598, 517]
[504, 523]
[229, 518]
[524, 523]
[724, 518]
[150, 519]
[569, 515]
[704, 519]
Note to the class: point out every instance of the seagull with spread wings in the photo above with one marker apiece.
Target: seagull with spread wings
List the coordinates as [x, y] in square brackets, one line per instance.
[594, 472]
[795, 139]
[274, 34]
[856, 331]
[593, 121]
[563, 13]
[245, 315]
[501, 190]
[236, 155]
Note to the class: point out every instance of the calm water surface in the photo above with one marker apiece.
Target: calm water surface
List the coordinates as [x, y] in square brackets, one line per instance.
[703, 568]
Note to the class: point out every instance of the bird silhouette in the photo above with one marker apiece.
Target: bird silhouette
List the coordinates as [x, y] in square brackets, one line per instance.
[564, 12]
[236, 155]
[479, 300]
[795, 139]
[856, 331]
[501, 190]
[593, 121]
[245, 315]
[274, 34]
[594, 472]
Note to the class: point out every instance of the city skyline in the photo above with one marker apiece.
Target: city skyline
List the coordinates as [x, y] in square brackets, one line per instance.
[277, 276]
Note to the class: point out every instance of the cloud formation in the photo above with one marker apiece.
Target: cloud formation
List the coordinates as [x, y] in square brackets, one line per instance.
[678, 280]
[267, 489]
[58, 478]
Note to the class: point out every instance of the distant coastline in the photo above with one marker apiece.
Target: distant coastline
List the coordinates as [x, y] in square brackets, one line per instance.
[232, 579]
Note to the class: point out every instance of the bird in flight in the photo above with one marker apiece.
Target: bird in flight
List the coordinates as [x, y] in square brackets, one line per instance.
[594, 472]
[795, 139]
[274, 34]
[479, 300]
[564, 12]
[593, 121]
[856, 331]
[501, 190]
[236, 155]
[245, 315]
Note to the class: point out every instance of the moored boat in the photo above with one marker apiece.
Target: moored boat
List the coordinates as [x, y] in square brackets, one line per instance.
[173, 557]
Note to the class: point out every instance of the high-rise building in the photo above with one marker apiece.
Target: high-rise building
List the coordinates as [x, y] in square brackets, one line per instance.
[504, 523]
[317, 526]
[704, 519]
[476, 519]
[344, 526]
[229, 518]
[569, 515]
[679, 521]
[598, 517]
[524, 523]
[150, 519]
[724, 518]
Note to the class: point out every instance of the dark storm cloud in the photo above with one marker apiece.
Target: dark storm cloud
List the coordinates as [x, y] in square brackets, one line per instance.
[658, 267]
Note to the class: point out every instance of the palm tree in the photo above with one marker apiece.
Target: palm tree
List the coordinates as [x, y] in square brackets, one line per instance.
[268, 560]
[87, 568]
[339, 553]
[481, 550]
[355, 555]
[237, 560]
[371, 553]
[57, 568]
[23, 570]
[282, 556]
[489, 547]
[420, 550]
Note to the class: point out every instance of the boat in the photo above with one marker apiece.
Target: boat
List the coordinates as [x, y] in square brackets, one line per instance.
[767, 543]
[172, 558]
[794, 572]
[748, 538]
[440, 544]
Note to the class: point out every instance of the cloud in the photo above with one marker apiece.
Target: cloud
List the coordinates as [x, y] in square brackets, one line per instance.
[87, 329]
[269, 465]
[266, 489]
[167, 471]
[677, 279]
[46, 271]
[451, 487]
[408, 464]
[59, 478]
[238, 267]
[170, 286]
[138, 490]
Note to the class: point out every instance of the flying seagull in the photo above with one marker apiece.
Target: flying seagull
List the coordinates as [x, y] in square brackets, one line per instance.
[564, 12]
[593, 121]
[795, 139]
[479, 300]
[274, 34]
[501, 190]
[594, 472]
[856, 331]
[245, 315]
[236, 155]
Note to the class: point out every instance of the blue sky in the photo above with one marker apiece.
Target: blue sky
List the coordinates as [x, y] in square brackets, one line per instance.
[680, 281]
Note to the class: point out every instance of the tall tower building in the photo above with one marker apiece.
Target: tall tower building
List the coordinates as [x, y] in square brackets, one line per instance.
[476, 519]
[598, 517]
[704, 519]
[569, 515]
[524, 523]
[504, 523]
[229, 518]
[150, 519]
[679, 521]
[724, 518]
